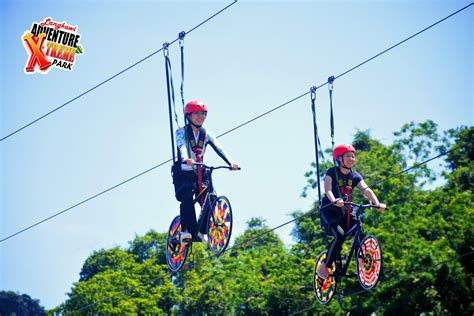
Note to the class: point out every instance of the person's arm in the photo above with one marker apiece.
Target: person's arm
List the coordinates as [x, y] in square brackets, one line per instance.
[370, 195]
[329, 194]
[183, 147]
[220, 151]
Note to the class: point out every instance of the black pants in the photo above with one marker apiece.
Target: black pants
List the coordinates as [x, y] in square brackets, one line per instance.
[186, 186]
[334, 223]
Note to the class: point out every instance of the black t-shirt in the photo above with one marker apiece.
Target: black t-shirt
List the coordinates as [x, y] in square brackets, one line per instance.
[351, 179]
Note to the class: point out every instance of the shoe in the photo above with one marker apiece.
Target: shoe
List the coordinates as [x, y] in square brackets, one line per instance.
[203, 237]
[185, 237]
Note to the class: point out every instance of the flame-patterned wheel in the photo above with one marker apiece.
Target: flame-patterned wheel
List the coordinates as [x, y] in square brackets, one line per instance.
[369, 262]
[220, 225]
[324, 289]
[176, 252]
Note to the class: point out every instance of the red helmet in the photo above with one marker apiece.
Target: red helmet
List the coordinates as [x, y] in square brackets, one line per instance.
[195, 106]
[340, 150]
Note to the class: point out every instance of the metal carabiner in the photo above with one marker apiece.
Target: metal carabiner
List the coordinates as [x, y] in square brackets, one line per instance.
[313, 93]
[330, 82]
[181, 38]
[165, 49]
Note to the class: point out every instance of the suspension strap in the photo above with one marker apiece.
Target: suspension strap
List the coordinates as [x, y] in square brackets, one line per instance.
[169, 77]
[181, 45]
[330, 87]
[165, 54]
[331, 119]
[316, 138]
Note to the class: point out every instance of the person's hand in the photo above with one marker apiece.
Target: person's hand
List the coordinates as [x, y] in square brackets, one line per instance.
[381, 207]
[234, 166]
[189, 162]
[339, 202]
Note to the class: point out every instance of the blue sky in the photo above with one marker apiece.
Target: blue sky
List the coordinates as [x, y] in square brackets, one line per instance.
[249, 59]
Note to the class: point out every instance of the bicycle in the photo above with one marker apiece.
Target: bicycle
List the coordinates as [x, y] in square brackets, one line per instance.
[368, 261]
[216, 214]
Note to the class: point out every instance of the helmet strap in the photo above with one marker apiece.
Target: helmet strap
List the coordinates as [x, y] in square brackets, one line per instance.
[341, 163]
[343, 166]
[197, 126]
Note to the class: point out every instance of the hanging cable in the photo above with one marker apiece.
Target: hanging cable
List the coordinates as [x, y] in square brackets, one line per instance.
[249, 240]
[331, 123]
[169, 83]
[181, 45]
[331, 118]
[316, 139]
[231, 130]
[169, 86]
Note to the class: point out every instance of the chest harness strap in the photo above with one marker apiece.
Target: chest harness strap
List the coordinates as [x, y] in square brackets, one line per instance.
[198, 149]
[346, 189]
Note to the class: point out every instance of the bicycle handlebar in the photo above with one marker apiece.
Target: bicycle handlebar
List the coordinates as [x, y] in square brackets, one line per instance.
[214, 168]
[363, 206]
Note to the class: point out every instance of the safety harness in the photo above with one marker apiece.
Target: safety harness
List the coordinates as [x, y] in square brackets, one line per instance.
[197, 149]
[346, 190]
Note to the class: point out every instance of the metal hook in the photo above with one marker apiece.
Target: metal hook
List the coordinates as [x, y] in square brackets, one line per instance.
[313, 92]
[181, 38]
[165, 49]
[330, 82]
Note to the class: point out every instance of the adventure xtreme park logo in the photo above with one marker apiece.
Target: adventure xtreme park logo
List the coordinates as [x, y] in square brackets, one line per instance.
[51, 44]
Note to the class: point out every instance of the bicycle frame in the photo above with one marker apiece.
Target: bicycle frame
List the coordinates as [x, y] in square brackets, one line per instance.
[368, 261]
[209, 198]
[357, 231]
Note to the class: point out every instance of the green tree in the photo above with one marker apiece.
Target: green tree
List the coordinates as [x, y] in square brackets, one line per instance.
[116, 281]
[426, 237]
[12, 303]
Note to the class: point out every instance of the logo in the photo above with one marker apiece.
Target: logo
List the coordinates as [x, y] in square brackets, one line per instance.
[51, 44]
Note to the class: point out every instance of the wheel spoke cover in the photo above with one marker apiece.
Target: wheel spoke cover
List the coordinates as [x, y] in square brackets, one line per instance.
[175, 251]
[324, 289]
[369, 262]
[220, 225]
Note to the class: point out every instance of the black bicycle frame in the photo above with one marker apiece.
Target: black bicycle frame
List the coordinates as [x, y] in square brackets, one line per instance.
[207, 206]
[358, 231]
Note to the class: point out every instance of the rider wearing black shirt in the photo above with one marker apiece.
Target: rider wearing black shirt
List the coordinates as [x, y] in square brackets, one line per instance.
[338, 184]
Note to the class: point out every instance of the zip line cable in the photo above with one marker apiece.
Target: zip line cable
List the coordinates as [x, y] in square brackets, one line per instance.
[253, 238]
[298, 312]
[229, 131]
[377, 184]
[143, 59]
[114, 76]
[401, 42]
[395, 279]
[319, 209]
[288, 222]
[82, 202]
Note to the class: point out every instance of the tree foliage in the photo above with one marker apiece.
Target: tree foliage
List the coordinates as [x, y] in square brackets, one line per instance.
[426, 237]
[12, 303]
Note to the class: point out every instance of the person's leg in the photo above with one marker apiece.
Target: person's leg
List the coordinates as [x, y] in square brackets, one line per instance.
[187, 211]
[184, 191]
[333, 250]
[331, 218]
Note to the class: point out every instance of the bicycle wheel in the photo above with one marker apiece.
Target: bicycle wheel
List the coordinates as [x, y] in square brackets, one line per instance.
[324, 289]
[219, 225]
[176, 252]
[369, 262]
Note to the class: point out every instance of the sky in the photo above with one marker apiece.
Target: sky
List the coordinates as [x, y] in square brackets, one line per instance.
[249, 59]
